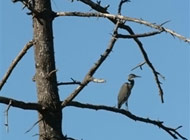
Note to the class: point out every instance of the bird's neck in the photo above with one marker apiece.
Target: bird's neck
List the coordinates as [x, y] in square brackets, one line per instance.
[131, 82]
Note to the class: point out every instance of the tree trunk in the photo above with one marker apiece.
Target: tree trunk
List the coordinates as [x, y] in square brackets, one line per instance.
[50, 126]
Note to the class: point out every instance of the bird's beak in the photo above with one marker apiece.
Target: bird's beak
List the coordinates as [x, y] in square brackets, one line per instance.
[136, 76]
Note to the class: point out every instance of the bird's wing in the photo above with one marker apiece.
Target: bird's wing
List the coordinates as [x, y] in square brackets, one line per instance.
[122, 96]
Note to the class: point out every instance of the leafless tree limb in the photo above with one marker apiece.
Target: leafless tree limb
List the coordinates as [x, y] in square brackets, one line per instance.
[124, 18]
[91, 72]
[34, 125]
[20, 104]
[6, 116]
[68, 83]
[139, 65]
[171, 131]
[114, 18]
[120, 5]
[15, 61]
[74, 82]
[139, 35]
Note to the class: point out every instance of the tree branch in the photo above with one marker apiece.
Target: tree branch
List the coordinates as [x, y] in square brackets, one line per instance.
[120, 5]
[171, 131]
[74, 82]
[114, 18]
[89, 75]
[15, 61]
[139, 65]
[139, 35]
[20, 104]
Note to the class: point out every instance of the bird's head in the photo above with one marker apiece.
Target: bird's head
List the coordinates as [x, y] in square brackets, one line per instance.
[132, 76]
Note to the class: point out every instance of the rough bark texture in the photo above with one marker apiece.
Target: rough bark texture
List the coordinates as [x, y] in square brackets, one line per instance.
[51, 125]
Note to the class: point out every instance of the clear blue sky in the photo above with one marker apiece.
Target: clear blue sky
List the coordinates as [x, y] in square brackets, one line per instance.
[78, 44]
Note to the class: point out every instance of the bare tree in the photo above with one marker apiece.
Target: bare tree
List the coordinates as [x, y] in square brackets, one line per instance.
[49, 105]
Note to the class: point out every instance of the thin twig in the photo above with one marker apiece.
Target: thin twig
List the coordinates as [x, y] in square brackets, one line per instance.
[160, 124]
[34, 125]
[6, 116]
[51, 72]
[139, 65]
[120, 6]
[91, 72]
[15, 61]
[69, 83]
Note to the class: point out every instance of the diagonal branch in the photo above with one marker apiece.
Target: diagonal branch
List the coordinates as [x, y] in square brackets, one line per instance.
[171, 131]
[139, 65]
[15, 61]
[89, 75]
[114, 18]
[20, 104]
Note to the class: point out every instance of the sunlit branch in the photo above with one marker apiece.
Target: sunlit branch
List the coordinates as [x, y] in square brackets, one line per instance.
[15, 61]
[124, 18]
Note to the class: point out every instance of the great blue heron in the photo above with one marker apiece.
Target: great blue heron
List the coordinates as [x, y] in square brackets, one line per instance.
[125, 90]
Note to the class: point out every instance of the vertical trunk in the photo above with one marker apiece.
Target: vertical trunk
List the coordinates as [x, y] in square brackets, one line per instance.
[50, 126]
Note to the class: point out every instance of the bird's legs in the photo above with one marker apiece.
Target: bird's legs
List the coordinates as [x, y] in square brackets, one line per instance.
[127, 108]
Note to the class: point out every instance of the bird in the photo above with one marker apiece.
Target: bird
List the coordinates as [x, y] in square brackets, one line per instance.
[125, 90]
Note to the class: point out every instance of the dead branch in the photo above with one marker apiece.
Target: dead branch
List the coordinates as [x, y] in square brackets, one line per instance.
[6, 116]
[34, 125]
[171, 131]
[91, 72]
[98, 80]
[139, 65]
[68, 83]
[114, 18]
[120, 5]
[20, 104]
[15, 61]
[74, 82]
[139, 35]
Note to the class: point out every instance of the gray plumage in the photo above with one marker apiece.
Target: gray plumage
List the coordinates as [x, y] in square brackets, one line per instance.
[125, 90]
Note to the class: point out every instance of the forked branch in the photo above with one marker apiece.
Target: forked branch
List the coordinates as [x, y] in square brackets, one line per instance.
[124, 18]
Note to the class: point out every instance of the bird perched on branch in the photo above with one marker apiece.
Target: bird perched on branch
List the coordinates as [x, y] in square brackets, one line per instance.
[125, 90]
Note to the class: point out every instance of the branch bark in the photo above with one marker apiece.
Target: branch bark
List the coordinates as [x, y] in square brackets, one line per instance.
[171, 131]
[20, 104]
